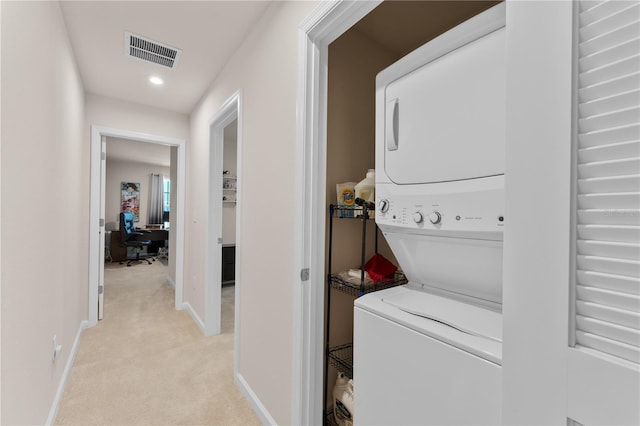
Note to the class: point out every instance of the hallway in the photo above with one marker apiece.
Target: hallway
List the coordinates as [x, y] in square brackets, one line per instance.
[147, 363]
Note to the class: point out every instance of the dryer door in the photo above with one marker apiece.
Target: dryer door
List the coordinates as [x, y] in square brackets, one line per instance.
[445, 121]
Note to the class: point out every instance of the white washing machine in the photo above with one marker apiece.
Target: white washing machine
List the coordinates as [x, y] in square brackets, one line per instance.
[430, 352]
[411, 369]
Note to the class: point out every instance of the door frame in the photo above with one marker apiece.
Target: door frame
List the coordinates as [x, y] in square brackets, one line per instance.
[230, 110]
[97, 196]
[326, 23]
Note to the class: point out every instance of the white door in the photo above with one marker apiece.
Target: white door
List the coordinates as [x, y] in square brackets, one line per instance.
[604, 357]
[103, 167]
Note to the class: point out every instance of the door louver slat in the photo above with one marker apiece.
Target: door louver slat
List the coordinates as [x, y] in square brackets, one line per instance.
[610, 346]
[610, 298]
[627, 166]
[616, 332]
[601, 312]
[624, 200]
[610, 136]
[629, 183]
[594, 11]
[625, 13]
[609, 265]
[619, 118]
[609, 216]
[612, 54]
[608, 281]
[609, 152]
[604, 89]
[610, 39]
[612, 71]
[609, 249]
[603, 105]
[616, 233]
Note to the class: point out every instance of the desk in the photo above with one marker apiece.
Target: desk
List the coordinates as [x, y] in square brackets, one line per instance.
[157, 237]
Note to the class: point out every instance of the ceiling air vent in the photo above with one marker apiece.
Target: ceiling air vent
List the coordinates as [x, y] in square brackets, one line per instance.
[151, 51]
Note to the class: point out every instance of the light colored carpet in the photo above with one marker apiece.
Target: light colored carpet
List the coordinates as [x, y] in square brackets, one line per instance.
[147, 364]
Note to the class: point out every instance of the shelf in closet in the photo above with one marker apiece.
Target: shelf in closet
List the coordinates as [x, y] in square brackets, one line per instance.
[229, 187]
[356, 290]
[341, 357]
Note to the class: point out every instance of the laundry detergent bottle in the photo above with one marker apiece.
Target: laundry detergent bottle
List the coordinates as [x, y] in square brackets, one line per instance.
[343, 401]
[366, 188]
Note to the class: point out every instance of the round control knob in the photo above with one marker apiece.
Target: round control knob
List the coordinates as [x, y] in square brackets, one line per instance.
[417, 217]
[435, 218]
[383, 205]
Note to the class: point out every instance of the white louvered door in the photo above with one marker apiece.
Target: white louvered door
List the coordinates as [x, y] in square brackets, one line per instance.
[604, 364]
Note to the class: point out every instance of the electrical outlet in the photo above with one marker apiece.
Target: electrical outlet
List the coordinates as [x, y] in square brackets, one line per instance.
[57, 349]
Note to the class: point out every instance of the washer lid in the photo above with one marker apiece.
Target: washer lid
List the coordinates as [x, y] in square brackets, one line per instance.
[463, 317]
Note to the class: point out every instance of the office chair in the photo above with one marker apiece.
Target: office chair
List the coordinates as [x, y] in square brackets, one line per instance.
[129, 237]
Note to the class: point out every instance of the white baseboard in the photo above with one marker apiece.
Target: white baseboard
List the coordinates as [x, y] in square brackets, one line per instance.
[194, 316]
[53, 412]
[254, 401]
[171, 282]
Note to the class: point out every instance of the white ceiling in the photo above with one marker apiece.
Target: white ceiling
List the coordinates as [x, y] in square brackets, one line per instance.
[208, 32]
[138, 152]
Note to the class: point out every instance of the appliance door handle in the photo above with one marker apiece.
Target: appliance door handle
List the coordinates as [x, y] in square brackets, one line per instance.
[391, 125]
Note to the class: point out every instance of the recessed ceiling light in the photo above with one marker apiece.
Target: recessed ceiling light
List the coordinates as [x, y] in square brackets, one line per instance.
[156, 80]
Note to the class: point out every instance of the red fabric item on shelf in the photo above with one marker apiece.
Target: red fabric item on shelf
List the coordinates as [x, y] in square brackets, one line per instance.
[379, 268]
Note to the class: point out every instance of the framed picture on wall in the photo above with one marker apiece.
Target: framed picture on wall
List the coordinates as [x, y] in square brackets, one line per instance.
[130, 199]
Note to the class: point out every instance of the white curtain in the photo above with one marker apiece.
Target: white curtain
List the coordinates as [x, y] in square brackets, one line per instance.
[156, 195]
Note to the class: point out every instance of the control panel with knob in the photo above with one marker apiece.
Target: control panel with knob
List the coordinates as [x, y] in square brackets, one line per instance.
[435, 217]
[383, 205]
[455, 214]
[417, 217]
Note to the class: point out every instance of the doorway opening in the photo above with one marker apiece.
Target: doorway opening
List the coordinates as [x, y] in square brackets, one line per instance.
[98, 223]
[315, 125]
[225, 203]
[138, 179]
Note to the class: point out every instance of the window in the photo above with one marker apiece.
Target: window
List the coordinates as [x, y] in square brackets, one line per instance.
[166, 200]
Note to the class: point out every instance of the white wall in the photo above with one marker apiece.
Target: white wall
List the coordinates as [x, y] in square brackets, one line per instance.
[45, 199]
[265, 68]
[128, 171]
[122, 115]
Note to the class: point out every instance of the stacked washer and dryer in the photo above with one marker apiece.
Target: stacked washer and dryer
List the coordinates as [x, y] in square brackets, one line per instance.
[430, 352]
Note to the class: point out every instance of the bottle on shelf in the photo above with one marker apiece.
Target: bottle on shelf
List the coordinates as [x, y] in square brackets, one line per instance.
[366, 190]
